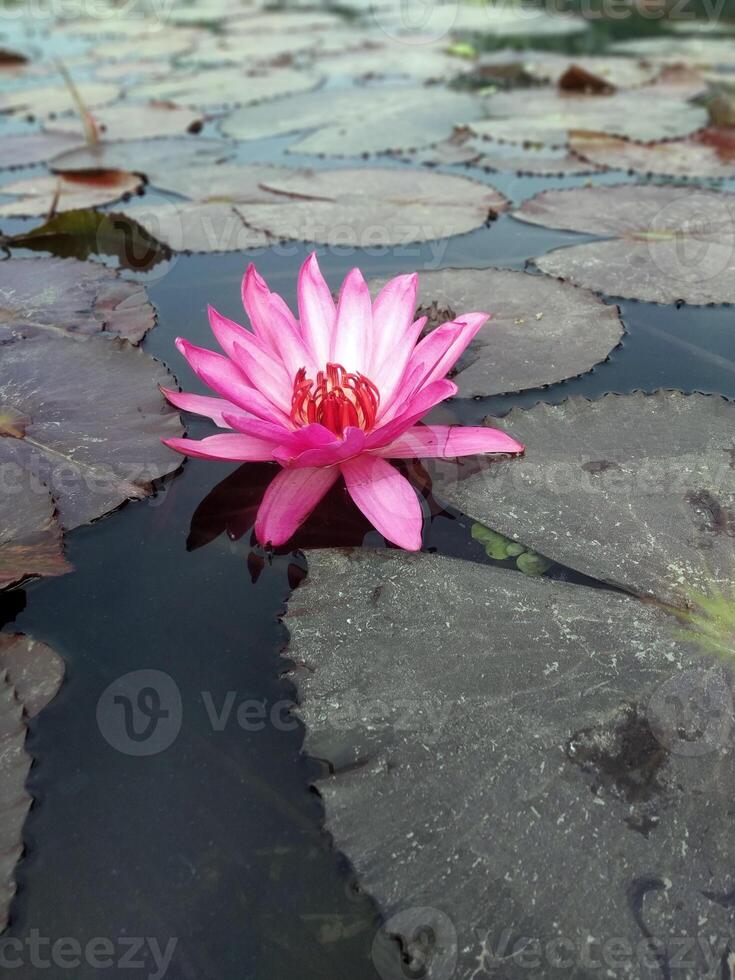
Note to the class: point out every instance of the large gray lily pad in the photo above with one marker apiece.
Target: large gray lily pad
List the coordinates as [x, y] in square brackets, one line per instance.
[15, 764]
[55, 193]
[49, 100]
[157, 159]
[30, 676]
[709, 153]
[52, 295]
[25, 149]
[514, 20]
[401, 118]
[636, 490]
[33, 668]
[541, 331]
[370, 207]
[668, 244]
[550, 116]
[124, 122]
[511, 780]
[91, 420]
[30, 534]
[704, 52]
[197, 227]
[225, 87]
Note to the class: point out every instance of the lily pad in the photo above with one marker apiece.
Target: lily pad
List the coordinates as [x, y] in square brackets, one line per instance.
[543, 161]
[541, 331]
[26, 149]
[668, 244]
[160, 160]
[401, 118]
[45, 194]
[703, 52]
[30, 535]
[370, 207]
[15, 802]
[30, 676]
[636, 490]
[198, 227]
[709, 153]
[225, 87]
[50, 295]
[95, 421]
[42, 101]
[619, 72]
[121, 122]
[550, 115]
[33, 668]
[514, 20]
[490, 735]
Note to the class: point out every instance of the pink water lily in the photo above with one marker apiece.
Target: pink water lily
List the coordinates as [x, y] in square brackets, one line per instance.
[337, 392]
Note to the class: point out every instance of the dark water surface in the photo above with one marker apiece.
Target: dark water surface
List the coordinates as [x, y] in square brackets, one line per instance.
[216, 841]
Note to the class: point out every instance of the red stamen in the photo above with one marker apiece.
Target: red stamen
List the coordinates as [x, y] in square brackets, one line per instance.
[337, 399]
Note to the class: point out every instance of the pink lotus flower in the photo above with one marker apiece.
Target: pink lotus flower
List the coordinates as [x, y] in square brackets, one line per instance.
[336, 393]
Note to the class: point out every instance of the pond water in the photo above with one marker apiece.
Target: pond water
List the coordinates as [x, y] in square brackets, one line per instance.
[216, 841]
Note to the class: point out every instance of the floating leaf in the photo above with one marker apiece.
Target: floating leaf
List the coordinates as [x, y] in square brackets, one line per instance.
[709, 153]
[618, 72]
[163, 44]
[30, 535]
[703, 52]
[370, 207]
[30, 676]
[502, 19]
[490, 735]
[51, 295]
[96, 421]
[549, 116]
[123, 122]
[71, 191]
[160, 160]
[43, 101]
[194, 227]
[26, 149]
[541, 161]
[635, 490]
[401, 118]
[541, 330]
[669, 244]
[15, 764]
[225, 87]
[34, 670]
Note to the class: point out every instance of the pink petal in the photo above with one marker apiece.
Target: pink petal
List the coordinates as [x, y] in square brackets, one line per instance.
[271, 431]
[393, 371]
[224, 377]
[212, 408]
[417, 407]
[260, 304]
[317, 311]
[228, 446]
[449, 441]
[352, 342]
[330, 454]
[289, 500]
[386, 498]
[226, 333]
[440, 351]
[393, 312]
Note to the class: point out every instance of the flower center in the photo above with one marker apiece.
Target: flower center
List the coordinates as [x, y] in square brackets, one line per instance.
[336, 400]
